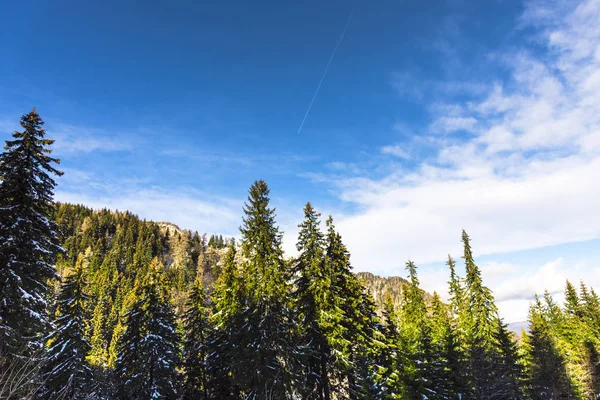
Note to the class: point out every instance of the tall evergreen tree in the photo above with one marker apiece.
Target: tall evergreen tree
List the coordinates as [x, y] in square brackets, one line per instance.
[227, 321]
[197, 331]
[66, 373]
[479, 322]
[454, 333]
[447, 365]
[266, 356]
[365, 380]
[392, 358]
[317, 308]
[149, 352]
[509, 367]
[28, 241]
[357, 342]
[547, 376]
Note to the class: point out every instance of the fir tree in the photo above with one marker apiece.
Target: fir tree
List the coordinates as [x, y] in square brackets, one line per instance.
[67, 374]
[454, 333]
[266, 357]
[318, 312]
[28, 241]
[353, 342]
[392, 358]
[365, 380]
[228, 329]
[509, 369]
[447, 368]
[547, 376]
[197, 331]
[479, 325]
[149, 348]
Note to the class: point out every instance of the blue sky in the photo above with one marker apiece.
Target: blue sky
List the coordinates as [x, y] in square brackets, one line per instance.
[434, 116]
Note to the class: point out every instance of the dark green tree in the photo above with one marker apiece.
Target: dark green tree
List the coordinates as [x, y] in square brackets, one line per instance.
[392, 358]
[227, 321]
[317, 309]
[149, 353]
[509, 366]
[66, 374]
[197, 331]
[546, 372]
[266, 359]
[479, 324]
[28, 240]
[359, 338]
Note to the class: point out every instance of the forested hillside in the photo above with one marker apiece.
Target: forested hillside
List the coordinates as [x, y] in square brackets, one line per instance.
[98, 304]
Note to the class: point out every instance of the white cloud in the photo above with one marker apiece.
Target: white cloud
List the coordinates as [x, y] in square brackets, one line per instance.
[452, 124]
[396, 151]
[77, 139]
[528, 176]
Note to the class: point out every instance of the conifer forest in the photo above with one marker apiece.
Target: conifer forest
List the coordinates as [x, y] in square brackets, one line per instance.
[99, 304]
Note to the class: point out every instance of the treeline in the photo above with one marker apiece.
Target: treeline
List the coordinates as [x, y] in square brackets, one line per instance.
[146, 310]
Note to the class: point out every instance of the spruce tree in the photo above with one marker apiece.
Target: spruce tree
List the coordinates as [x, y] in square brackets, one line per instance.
[197, 331]
[360, 335]
[479, 322]
[547, 376]
[227, 320]
[454, 333]
[266, 358]
[509, 367]
[425, 369]
[66, 373]
[149, 352]
[317, 309]
[28, 241]
[392, 358]
[365, 381]
[447, 363]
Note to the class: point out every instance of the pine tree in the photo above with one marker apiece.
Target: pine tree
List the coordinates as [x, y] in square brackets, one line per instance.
[454, 333]
[479, 324]
[197, 331]
[447, 362]
[318, 312]
[367, 355]
[412, 316]
[265, 359]
[547, 376]
[509, 369]
[28, 241]
[66, 373]
[149, 348]
[392, 358]
[228, 329]
[455, 289]
[359, 339]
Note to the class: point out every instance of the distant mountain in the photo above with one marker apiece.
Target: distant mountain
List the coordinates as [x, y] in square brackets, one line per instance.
[518, 327]
[378, 286]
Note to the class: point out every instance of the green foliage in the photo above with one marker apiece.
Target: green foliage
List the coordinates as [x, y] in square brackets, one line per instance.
[148, 310]
[28, 242]
[317, 312]
[149, 352]
[197, 331]
[66, 373]
[262, 355]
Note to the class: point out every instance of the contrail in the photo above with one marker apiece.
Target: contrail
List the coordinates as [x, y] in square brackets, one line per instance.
[326, 69]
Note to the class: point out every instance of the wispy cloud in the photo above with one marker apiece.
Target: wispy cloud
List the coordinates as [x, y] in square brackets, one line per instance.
[78, 139]
[449, 124]
[396, 151]
[525, 177]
